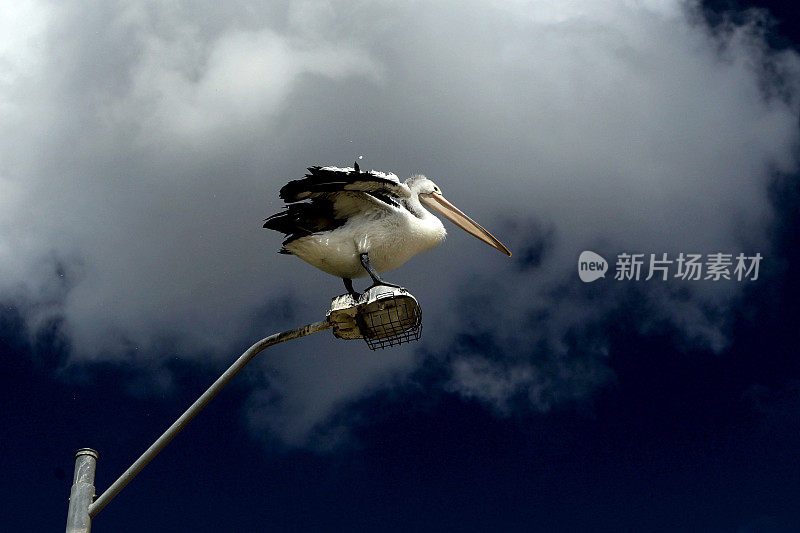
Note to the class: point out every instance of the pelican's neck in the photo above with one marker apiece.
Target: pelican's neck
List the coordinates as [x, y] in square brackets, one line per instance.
[415, 207]
[412, 203]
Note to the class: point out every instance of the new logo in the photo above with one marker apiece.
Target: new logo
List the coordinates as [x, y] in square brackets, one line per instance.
[591, 266]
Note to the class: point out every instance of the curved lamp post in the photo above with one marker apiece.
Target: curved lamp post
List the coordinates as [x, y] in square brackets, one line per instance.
[383, 316]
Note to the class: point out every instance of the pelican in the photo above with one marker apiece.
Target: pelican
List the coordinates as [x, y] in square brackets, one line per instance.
[353, 223]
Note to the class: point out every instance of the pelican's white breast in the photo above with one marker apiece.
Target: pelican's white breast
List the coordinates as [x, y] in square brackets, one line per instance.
[390, 239]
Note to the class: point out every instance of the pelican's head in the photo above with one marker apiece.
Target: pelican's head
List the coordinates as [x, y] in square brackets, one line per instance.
[431, 196]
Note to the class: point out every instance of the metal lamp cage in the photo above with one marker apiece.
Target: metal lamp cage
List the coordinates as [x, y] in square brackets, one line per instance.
[383, 316]
[390, 320]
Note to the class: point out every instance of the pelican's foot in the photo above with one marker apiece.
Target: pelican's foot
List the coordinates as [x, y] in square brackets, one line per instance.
[376, 278]
[382, 283]
[348, 284]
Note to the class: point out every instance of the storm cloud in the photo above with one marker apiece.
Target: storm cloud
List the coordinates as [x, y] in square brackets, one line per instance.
[144, 142]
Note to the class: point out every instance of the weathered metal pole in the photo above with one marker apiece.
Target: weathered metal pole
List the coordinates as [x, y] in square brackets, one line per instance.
[192, 411]
[80, 497]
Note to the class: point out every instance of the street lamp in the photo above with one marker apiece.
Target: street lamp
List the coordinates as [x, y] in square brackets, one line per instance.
[383, 316]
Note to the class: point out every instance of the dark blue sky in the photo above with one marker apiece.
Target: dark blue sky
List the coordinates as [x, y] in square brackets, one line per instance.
[680, 438]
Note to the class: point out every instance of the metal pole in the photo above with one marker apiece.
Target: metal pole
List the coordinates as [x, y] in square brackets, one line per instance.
[196, 407]
[78, 520]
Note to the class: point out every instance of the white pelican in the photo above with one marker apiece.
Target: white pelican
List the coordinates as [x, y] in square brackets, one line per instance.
[354, 224]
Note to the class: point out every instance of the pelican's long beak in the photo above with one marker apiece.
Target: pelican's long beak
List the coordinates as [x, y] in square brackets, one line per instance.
[438, 203]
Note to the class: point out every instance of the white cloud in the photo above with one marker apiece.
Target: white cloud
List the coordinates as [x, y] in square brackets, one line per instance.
[143, 142]
[244, 78]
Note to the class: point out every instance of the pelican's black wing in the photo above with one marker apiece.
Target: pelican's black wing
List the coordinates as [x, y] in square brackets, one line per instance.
[303, 219]
[332, 195]
[326, 180]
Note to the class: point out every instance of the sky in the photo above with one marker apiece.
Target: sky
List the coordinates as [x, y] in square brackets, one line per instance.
[145, 142]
